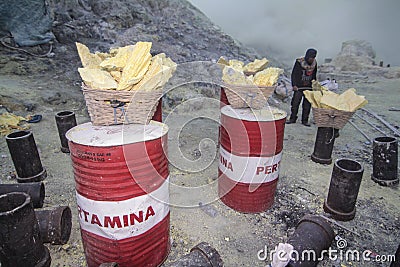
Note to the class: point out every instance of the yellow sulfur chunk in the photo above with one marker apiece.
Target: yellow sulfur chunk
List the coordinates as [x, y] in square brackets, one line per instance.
[169, 67]
[313, 97]
[88, 59]
[102, 55]
[153, 76]
[236, 64]
[231, 76]
[167, 61]
[223, 61]
[316, 86]
[136, 66]
[116, 74]
[97, 79]
[119, 61]
[256, 65]
[10, 122]
[331, 100]
[114, 51]
[267, 77]
[353, 100]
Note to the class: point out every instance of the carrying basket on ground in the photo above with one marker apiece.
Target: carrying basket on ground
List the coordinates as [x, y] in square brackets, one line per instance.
[334, 118]
[243, 96]
[109, 107]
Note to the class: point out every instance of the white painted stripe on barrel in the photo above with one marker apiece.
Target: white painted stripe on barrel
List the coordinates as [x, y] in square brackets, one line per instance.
[249, 169]
[118, 220]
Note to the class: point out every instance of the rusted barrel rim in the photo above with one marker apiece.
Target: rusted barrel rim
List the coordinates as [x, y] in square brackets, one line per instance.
[26, 202]
[357, 166]
[385, 139]
[18, 135]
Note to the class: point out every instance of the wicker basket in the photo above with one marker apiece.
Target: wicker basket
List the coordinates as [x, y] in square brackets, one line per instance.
[331, 117]
[243, 96]
[109, 107]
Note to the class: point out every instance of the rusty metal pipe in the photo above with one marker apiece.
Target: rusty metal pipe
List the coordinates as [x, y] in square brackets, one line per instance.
[35, 190]
[65, 120]
[201, 255]
[20, 240]
[323, 145]
[313, 233]
[25, 157]
[384, 161]
[55, 224]
[343, 189]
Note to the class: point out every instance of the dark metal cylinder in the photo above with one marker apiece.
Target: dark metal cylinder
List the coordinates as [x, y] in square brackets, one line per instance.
[201, 255]
[25, 157]
[20, 240]
[65, 120]
[343, 189]
[35, 190]
[323, 146]
[384, 161]
[313, 234]
[55, 224]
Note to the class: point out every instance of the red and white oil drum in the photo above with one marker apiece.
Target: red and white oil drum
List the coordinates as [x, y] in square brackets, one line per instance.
[121, 179]
[251, 143]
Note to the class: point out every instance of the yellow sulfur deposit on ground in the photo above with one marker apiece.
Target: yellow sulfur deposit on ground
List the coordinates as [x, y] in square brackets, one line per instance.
[10, 122]
[130, 67]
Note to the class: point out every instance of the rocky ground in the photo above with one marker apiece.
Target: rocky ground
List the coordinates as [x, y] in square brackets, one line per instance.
[32, 85]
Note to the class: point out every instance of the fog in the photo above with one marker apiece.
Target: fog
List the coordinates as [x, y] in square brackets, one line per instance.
[284, 29]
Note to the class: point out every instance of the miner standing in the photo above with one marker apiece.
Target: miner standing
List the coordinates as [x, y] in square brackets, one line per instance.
[304, 71]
